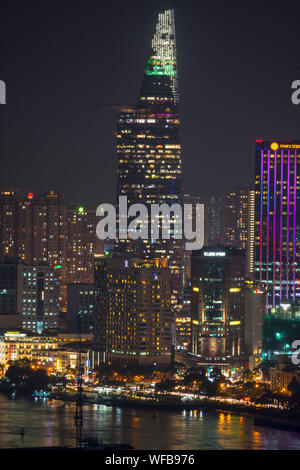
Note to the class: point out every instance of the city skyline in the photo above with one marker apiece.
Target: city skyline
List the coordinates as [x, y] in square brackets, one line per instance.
[48, 95]
[168, 317]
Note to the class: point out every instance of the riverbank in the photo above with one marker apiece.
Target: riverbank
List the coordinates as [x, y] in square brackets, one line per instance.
[268, 417]
[276, 418]
[50, 422]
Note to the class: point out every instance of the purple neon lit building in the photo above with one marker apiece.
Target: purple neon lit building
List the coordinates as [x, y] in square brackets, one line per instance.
[277, 221]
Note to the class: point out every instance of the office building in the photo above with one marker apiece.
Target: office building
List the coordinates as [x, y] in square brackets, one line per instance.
[255, 309]
[80, 299]
[217, 304]
[40, 298]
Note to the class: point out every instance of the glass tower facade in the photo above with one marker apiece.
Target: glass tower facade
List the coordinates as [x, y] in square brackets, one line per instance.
[277, 221]
[218, 303]
[148, 146]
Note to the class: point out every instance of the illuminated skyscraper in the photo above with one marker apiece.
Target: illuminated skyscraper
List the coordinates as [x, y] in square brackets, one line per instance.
[148, 146]
[277, 220]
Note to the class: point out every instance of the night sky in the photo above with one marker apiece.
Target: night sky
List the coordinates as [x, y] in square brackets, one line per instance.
[236, 62]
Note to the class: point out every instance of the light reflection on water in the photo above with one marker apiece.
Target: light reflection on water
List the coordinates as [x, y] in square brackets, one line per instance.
[51, 423]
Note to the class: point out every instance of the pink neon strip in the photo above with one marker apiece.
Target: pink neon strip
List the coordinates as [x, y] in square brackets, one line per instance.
[274, 226]
[261, 210]
[281, 196]
[294, 238]
[288, 225]
[268, 220]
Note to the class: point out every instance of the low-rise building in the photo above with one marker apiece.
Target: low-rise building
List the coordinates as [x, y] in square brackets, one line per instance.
[15, 345]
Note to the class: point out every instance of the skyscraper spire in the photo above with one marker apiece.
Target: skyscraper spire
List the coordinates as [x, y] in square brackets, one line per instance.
[163, 55]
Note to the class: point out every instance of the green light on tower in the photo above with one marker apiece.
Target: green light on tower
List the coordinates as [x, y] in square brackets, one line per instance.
[80, 209]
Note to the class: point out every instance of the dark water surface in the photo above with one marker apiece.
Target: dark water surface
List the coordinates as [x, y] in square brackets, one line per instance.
[51, 423]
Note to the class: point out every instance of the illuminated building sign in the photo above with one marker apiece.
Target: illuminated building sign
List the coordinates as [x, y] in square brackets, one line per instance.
[214, 253]
[275, 146]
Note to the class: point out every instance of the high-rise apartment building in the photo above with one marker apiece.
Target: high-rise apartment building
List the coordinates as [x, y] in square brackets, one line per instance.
[82, 244]
[235, 215]
[33, 229]
[29, 296]
[48, 219]
[40, 298]
[149, 149]
[217, 304]
[277, 220]
[133, 311]
[15, 226]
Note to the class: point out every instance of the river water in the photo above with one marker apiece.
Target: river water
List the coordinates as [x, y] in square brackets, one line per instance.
[51, 423]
